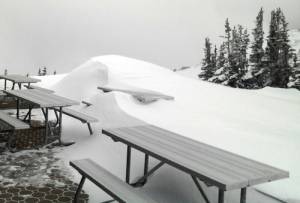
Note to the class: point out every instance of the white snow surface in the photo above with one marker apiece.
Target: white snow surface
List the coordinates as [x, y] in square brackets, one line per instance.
[259, 124]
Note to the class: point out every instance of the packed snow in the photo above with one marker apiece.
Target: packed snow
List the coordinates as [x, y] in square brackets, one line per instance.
[260, 124]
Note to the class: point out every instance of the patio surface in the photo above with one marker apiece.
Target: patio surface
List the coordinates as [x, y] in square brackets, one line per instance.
[36, 176]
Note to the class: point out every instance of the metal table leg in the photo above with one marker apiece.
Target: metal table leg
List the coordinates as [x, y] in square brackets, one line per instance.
[128, 162]
[243, 195]
[221, 196]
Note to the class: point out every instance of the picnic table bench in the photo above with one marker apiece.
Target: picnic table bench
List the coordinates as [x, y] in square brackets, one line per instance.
[112, 185]
[39, 88]
[211, 165]
[14, 124]
[84, 118]
[142, 95]
[18, 79]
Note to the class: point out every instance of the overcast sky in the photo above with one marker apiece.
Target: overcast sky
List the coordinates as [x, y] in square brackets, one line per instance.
[62, 34]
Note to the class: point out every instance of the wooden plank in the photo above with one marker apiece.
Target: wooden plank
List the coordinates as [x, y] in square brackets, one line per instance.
[42, 99]
[79, 115]
[226, 170]
[13, 122]
[138, 92]
[39, 88]
[19, 78]
[109, 183]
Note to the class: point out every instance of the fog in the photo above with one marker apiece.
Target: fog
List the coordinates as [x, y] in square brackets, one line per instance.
[62, 34]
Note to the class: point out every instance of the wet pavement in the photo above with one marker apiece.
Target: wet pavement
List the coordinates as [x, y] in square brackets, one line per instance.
[33, 176]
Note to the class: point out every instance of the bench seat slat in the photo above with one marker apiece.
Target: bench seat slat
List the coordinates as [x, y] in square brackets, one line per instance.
[138, 92]
[14, 122]
[79, 115]
[108, 182]
[39, 88]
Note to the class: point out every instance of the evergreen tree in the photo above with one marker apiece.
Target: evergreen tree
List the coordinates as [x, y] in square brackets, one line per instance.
[44, 70]
[257, 51]
[5, 71]
[295, 60]
[40, 72]
[278, 50]
[224, 61]
[221, 57]
[207, 66]
[54, 73]
[227, 36]
[214, 59]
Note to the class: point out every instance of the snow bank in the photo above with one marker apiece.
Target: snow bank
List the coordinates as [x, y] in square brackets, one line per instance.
[83, 81]
[259, 124]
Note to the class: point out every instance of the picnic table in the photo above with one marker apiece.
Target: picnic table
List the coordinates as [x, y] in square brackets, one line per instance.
[18, 79]
[44, 101]
[211, 165]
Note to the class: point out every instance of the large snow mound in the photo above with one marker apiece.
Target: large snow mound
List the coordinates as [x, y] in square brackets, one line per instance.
[259, 124]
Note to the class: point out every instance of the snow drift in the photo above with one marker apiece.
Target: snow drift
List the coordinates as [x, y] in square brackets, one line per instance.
[259, 124]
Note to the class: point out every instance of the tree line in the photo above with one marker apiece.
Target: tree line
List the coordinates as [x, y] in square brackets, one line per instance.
[272, 65]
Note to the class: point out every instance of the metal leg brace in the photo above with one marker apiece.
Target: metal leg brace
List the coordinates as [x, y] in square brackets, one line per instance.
[200, 189]
[142, 180]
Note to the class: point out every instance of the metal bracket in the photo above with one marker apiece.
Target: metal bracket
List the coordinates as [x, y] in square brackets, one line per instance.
[143, 179]
[200, 189]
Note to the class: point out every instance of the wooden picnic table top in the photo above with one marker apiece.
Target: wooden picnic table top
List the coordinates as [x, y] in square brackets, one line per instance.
[42, 99]
[215, 166]
[19, 78]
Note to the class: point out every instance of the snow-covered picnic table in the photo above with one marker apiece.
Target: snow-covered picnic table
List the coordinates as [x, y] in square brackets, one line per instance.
[18, 79]
[45, 101]
[211, 165]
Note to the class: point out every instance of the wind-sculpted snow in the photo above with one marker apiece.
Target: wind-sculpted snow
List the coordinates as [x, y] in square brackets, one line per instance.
[259, 124]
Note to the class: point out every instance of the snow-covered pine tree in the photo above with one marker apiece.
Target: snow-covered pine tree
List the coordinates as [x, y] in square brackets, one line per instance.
[234, 57]
[219, 75]
[259, 73]
[279, 50]
[207, 66]
[243, 44]
[238, 61]
[39, 72]
[224, 60]
[214, 59]
[295, 60]
[257, 50]
[221, 60]
[227, 36]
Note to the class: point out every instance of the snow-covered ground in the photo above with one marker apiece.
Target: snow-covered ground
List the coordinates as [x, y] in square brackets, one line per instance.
[259, 124]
